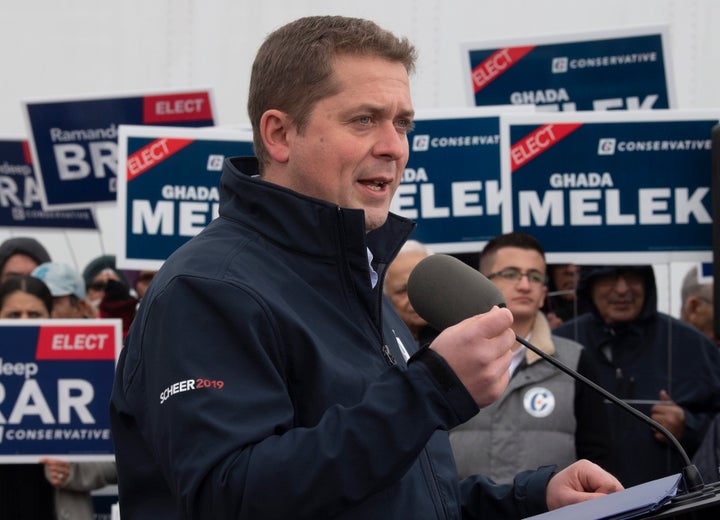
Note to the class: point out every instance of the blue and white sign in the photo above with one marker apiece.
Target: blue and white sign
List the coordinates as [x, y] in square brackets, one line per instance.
[611, 187]
[20, 195]
[705, 272]
[451, 186]
[168, 190]
[74, 141]
[56, 377]
[611, 70]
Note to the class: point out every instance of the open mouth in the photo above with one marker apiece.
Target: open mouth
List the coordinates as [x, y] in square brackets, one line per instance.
[375, 185]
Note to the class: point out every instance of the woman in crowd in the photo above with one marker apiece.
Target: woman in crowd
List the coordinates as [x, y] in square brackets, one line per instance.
[25, 297]
[24, 491]
[27, 487]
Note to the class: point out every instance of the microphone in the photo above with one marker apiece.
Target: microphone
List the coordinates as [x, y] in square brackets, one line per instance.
[445, 291]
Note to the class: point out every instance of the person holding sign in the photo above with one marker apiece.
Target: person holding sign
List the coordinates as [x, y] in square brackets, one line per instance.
[25, 297]
[73, 482]
[262, 376]
[24, 492]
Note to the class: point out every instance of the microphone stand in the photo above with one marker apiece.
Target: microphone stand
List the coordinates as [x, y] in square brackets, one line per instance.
[691, 475]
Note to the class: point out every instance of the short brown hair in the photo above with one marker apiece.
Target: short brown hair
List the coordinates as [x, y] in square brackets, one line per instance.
[293, 67]
[514, 239]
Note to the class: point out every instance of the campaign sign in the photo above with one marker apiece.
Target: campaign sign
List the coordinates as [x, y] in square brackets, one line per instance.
[56, 377]
[611, 187]
[168, 190]
[451, 184]
[705, 272]
[20, 195]
[624, 69]
[74, 141]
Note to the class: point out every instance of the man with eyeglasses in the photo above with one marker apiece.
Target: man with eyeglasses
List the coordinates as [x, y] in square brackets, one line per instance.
[544, 416]
[657, 363]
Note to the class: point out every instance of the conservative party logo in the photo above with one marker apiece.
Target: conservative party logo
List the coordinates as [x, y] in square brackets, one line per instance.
[606, 146]
[559, 65]
[421, 143]
[215, 162]
[539, 402]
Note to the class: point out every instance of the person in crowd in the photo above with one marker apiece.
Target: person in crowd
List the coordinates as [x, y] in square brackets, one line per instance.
[560, 304]
[144, 277]
[109, 291]
[544, 416]
[20, 255]
[707, 456]
[96, 275]
[73, 482]
[25, 494]
[25, 297]
[262, 377]
[697, 307]
[396, 281]
[645, 356]
[67, 288]
[118, 302]
[697, 310]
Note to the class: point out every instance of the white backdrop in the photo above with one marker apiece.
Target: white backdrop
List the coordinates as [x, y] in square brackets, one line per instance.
[78, 47]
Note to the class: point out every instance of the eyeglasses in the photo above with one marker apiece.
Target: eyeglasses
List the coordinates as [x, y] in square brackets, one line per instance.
[97, 286]
[514, 275]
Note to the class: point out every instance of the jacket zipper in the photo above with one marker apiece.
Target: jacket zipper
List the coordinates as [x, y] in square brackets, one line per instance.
[384, 349]
[388, 355]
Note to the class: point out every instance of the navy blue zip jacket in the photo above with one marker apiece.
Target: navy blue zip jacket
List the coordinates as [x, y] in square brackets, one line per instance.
[263, 378]
[637, 359]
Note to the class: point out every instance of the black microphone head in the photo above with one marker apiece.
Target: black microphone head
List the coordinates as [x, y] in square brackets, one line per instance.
[444, 291]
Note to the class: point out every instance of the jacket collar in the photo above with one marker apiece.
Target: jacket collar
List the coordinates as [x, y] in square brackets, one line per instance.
[541, 337]
[305, 224]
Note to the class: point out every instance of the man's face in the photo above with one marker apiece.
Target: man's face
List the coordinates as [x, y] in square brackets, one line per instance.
[96, 289]
[67, 307]
[620, 297]
[354, 148]
[396, 280]
[701, 311]
[565, 278]
[524, 297]
[143, 281]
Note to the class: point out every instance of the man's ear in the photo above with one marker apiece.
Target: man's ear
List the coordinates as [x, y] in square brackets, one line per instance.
[691, 305]
[275, 129]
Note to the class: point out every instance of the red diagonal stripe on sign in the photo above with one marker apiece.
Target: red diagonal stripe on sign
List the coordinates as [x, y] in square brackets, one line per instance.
[26, 152]
[497, 63]
[153, 154]
[538, 141]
